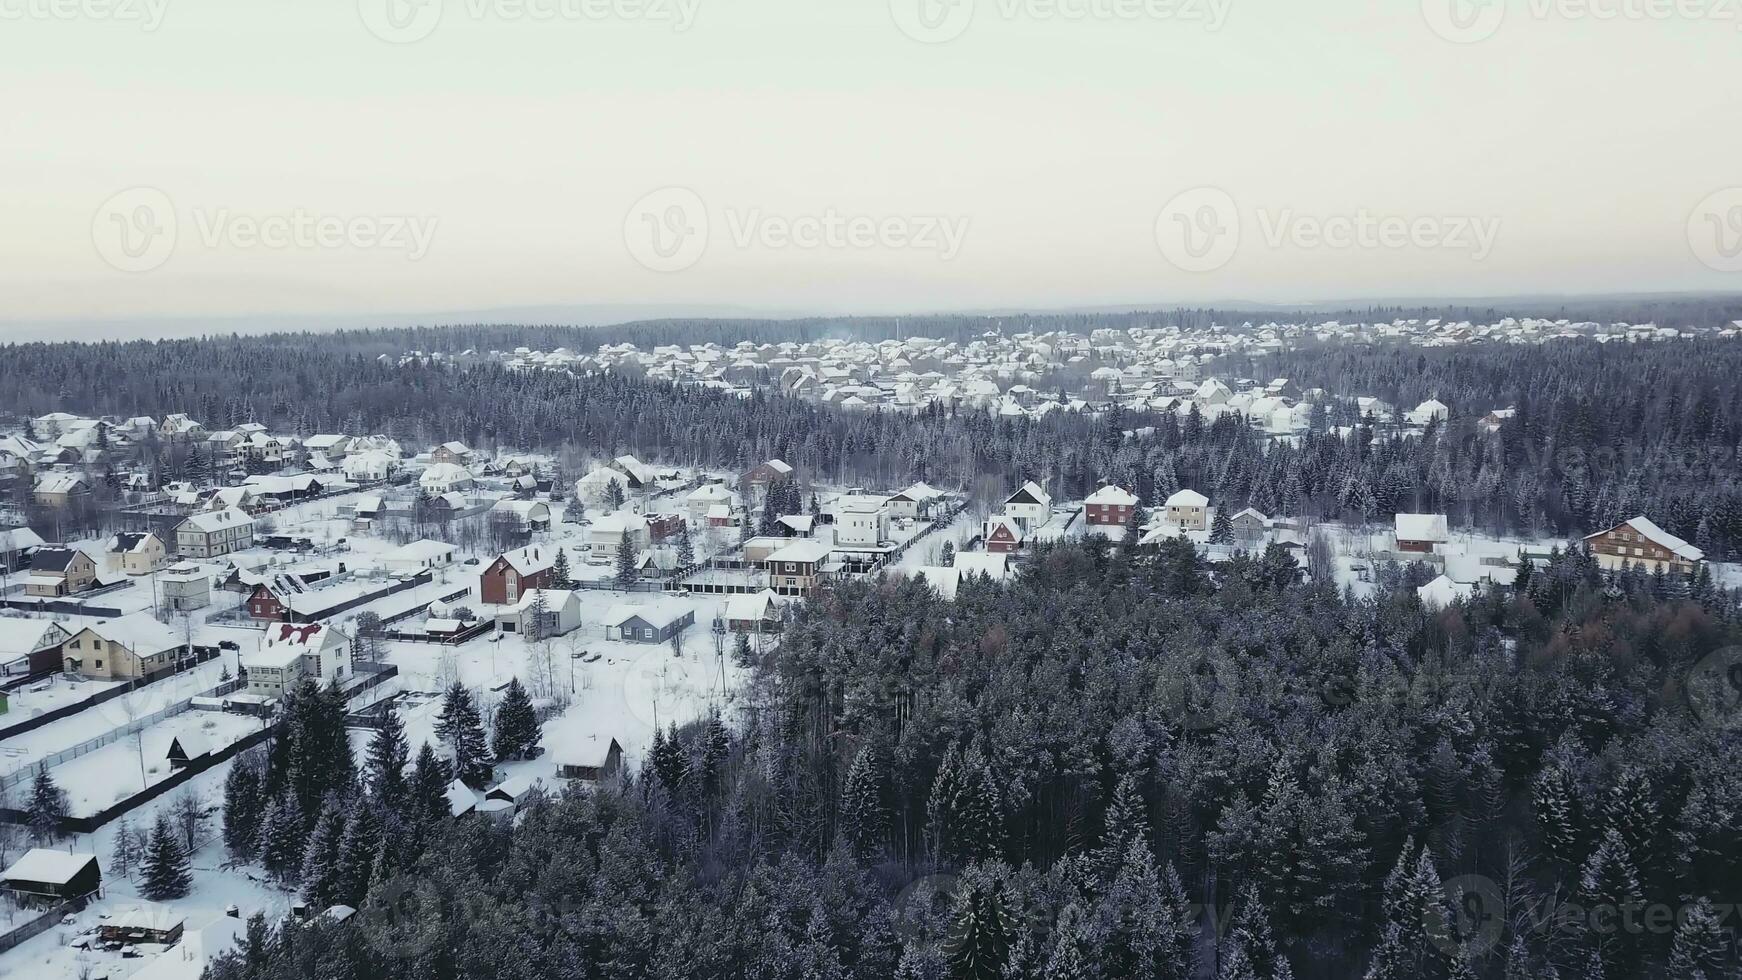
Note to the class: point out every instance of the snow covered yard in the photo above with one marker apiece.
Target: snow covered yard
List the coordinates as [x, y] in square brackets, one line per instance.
[111, 773]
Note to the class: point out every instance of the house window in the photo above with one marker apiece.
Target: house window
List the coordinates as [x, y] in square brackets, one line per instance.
[97, 665]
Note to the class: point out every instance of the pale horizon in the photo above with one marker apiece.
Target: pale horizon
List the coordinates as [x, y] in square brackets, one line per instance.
[772, 156]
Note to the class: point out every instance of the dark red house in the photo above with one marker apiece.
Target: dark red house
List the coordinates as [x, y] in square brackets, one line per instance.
[510, 576]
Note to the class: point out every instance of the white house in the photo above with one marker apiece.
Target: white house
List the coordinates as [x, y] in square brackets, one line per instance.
[701, 501]
[562, 613]
[419, 555]
[442, 478]
[594, 489]
[610, 531]
[1188, 509]
[289, 653]
[1030, 507]
[214, 533]
[369, 467]
[861, 521]
[1432, 410]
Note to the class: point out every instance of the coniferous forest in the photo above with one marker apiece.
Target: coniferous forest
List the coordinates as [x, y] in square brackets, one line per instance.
[1120, 764]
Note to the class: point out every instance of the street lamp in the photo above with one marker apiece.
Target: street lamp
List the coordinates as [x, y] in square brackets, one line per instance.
[572, 658]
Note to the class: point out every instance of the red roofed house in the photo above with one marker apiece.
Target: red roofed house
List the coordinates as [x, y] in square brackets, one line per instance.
[289, 653]
[515, 572]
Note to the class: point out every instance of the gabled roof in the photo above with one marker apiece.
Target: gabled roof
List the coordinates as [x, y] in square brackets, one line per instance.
[657, 613]
[1030, 493]
[1658, 536]
[808, 552]
[53, 559]
[1112, 496]
[1187, 498]
[1422, 527]
[49, 867]
[995, 524]
[211, 522]
[760, 605]
[530, 560]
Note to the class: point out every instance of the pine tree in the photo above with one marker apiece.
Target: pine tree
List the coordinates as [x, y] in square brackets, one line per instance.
[1126, 821]
[864, 817]
[320, 863]
[626, 570]
[686, 549]
[462, 730]
[669, 760]
[949, 554]
[741, 653]
[977, 818]
[980, 934]
[429, 784]
[124, 854]
[532, 623]
[516, 724]
[384, 767]
[358, 848]
[1069, 959]
[1699, 946]
[561, 576]
[165, 873]
[1222, 528]
[48, 806]
[282, 839]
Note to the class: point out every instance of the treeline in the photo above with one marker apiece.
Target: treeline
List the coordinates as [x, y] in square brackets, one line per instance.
[1132, 765]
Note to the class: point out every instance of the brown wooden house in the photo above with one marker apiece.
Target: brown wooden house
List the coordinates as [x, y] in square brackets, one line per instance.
[1641, 542]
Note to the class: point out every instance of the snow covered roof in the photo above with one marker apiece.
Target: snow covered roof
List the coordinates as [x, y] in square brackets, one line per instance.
[461, 799]
[1112, 496]
[531, 560]
[988, 563]
[1658, 536]
[139, 632]
[801, 551]
[941, 578]
[1442, 592]
[40, 864]
[1421, 527]
[211, 522]
[1188, 498]
[657, 613]
[760, 605]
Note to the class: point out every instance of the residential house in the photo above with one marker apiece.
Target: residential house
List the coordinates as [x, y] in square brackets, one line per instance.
[214, 534]
[861, 521]
[1642, 543]
[511, 575]
[795, 526]
[797, 566]
[332, 445]
[16, 546]
[610, 531]
[1029, 507]
[649, 621]
[561, 614]
[147, 922]
[1432, 410]
[124, 648]
[290, 653]
[1421, 533]
[764, 475]
[754, 613]
[59, 571]
[1003, 535]
[60, 489]
[640, 475]
[594, 489]
[373, 466]
[419, 555]
[915, 502]
[1250, 526]
[591, 760]
[1110, 506]
[456, 453]
[134, 553]
[1189, 510]
[703, 499]
[444, 478]
[1442, 592]
[994, 565]
[532, 515]
[30, 647]
[184, 588]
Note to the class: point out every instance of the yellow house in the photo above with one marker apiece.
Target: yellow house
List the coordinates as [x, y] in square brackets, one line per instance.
[1188, 510]
[59, 571]
[135, 553]
[124, 648]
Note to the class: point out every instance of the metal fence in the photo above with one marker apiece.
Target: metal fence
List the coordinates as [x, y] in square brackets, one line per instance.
[88, 746]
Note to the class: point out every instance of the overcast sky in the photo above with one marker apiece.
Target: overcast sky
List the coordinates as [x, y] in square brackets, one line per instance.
[228, 157]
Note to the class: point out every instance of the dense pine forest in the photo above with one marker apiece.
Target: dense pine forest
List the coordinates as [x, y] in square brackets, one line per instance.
[1120, 764]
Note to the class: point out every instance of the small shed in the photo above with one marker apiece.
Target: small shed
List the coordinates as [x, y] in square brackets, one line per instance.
[147, 922]
[592, 760]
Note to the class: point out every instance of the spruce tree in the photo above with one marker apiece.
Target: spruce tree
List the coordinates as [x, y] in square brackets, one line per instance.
[1699, 947]
[165, 874]
[686, 549]
[864, 817]
[429, 784]
[384, 767]
[516, 724]
[462, 730]
[358, 849]
[980, 934]
[283, 835]
[1222, 528]
[320, 863]
[48, 806]
[123, 856]
[627, 574]
[1069, 959]
[561, 576]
